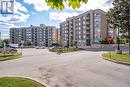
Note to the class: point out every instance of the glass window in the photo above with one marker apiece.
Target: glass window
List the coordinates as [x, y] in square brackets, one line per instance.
[97, 14]
[84, 27]
[84, 36]
[79, 28]
[83, 22]
[79, 19]
[84, 32]
[79, 23]
[79, 37]
[84, 17]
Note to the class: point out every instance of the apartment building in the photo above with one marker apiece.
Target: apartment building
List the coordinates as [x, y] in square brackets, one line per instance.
[51, 35]
[85, 29]
[58, 36]
[34, 35]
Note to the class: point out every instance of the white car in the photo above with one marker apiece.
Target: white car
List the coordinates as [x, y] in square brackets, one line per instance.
[39, 47]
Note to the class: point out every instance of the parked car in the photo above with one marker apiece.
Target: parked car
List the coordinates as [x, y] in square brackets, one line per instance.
[53, 47]
[39, 47]
[11, 49]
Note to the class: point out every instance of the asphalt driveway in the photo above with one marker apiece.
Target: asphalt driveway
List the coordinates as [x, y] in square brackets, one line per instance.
[76, 69]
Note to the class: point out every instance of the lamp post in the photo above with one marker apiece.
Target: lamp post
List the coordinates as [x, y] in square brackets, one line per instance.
[119, 26]
[22, 42]
[4, 48]
[31, 44]
[118, 39]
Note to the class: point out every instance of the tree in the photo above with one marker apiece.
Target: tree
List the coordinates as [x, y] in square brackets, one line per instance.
[60, 4]
[1, 42]
[119, 17]
[6, 41]
[104, 41]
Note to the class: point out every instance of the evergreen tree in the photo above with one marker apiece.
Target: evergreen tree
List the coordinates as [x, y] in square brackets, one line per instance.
[119, 17]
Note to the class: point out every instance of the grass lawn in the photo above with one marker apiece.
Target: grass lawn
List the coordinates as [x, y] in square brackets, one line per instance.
[17, 55]
[122, 58]
[18, 82]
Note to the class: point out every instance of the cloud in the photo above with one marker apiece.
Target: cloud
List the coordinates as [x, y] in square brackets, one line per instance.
[108, 2]
[4, 25]
[19, 7]
[92, 4]
[61, 16]
[4, 36]
[39, 5]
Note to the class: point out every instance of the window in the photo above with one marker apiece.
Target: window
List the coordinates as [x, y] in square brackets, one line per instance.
[83, 22]
[84, 27]
[97, 14]
[84, 17]
[84, 32]
[79, 19]
[84, 36]
[79, 37]
[96, 25]
[79, 23]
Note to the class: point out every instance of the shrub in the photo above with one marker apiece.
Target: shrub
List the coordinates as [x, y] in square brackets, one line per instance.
[64, 50]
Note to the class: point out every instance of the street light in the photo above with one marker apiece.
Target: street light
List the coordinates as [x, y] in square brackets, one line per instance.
[22, 42]
[4, 48]
[118, 39]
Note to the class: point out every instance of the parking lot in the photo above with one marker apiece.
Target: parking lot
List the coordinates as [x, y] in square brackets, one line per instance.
[75, 69]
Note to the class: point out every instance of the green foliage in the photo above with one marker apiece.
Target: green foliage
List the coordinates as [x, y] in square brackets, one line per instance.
[1, 42]
[7, 57]
[119, 17]
[6, 41]
[119, 14]
[59, 4]
[104, 41]
[123, 39]
[64, 50]
[18, 82]
[13, 52]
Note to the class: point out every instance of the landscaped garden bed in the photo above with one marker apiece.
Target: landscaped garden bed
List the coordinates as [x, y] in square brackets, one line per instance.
[65, 50]
[9, 55]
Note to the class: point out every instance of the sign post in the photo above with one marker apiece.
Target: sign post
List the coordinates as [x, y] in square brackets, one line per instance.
[109, 39]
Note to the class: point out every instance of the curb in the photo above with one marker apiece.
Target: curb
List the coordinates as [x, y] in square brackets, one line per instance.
[123, 63]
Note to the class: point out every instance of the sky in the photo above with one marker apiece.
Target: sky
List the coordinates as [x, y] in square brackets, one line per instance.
[36, 12]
